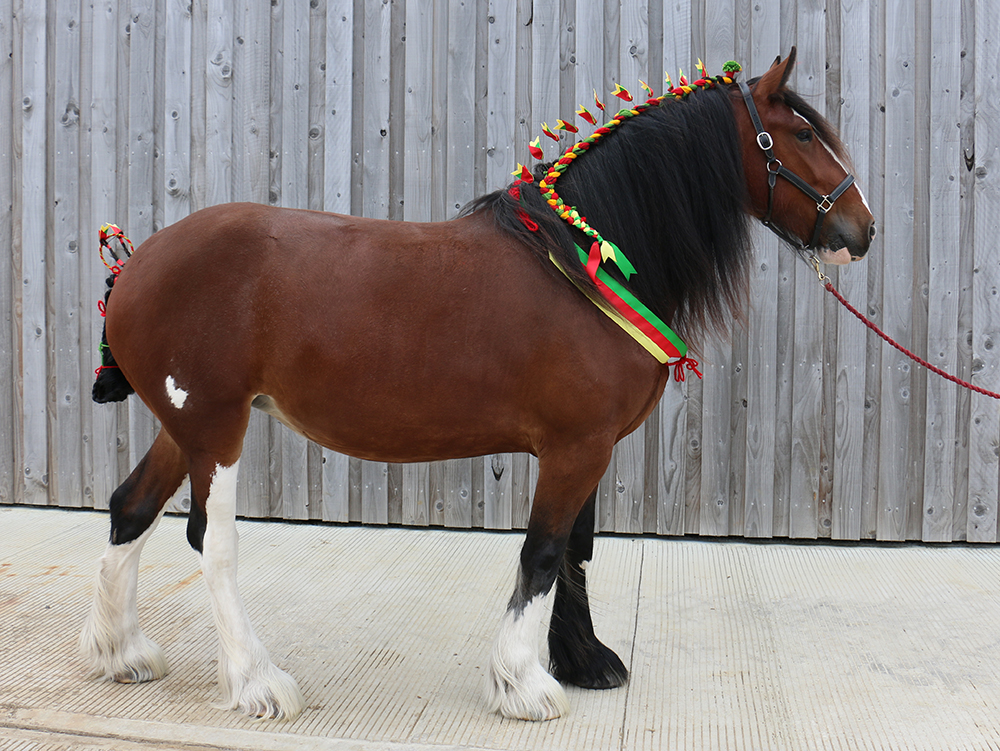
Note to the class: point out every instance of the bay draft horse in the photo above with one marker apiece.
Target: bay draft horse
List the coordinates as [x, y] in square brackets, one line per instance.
[406, 342]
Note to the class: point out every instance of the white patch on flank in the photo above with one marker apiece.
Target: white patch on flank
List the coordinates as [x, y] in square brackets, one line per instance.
[112, 642]
[247, 678]
[177, 395]
[517, 685]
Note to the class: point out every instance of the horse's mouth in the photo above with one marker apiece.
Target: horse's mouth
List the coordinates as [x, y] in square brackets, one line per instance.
[839, 257]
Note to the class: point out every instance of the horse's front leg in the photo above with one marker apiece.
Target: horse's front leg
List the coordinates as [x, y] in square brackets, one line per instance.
[576, 655]
[518, 686]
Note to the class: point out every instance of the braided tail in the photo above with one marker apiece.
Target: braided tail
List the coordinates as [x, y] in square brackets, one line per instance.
[111, 384]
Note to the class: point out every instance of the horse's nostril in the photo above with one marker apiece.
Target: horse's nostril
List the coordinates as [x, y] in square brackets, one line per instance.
[872, 232]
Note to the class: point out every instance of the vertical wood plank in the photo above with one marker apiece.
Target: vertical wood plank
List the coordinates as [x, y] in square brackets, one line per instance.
[607, 490]
[8, 432]
[460, 180]
[677, 33]
[500, 161]
[270, 444]
[672, 454]
[672, 444]
[67, 460]
[294, 193]
[141, 154]
[870, 465]
[498, 491]
[984, 430]
[897, 298]
[762, 324]
[251, 178]
[103, 200]
[32, 379]
[375, 190]
[417, 178]
[338, 110]
[850, 394]
[807, 350]
[317, 180]
[628, 462]
[176, 129]
[717, 387]
[589, 60]
[524, 467]
[966, 245]
[177, 109]
[337, 153]
[943, 279]
[741, 45]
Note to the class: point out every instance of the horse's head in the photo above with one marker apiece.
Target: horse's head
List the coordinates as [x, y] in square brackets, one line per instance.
[797, 171]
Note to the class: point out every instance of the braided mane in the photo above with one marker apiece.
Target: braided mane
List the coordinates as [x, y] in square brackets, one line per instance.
[667, 188]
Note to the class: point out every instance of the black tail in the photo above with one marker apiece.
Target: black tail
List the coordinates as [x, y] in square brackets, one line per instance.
[111, 384]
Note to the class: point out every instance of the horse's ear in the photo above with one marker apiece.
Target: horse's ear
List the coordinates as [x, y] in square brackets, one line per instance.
[776, 77]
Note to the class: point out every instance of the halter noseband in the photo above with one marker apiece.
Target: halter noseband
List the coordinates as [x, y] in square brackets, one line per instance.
[775, 169]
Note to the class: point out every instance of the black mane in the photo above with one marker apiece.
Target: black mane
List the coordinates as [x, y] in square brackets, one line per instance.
[667, 188]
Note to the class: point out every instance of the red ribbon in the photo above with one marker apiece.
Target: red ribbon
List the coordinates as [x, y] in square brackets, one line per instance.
[685, 362]
[526, 220]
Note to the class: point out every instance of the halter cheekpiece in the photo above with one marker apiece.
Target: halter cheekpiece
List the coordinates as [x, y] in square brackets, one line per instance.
[776, 169]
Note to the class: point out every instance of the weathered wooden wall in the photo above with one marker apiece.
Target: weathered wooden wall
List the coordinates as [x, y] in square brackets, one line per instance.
[805, 425]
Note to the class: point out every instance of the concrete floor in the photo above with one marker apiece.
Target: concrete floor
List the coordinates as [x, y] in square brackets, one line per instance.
[731, 645]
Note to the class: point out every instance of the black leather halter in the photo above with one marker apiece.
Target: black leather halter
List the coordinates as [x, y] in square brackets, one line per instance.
[775, 169]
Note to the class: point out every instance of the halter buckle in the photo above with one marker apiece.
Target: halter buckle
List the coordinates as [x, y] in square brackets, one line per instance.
[765, 141]
[825, 205]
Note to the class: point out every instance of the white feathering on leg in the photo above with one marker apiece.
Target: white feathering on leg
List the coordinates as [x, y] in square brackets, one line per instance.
[112, 642]
[247, 678]
[518, 686]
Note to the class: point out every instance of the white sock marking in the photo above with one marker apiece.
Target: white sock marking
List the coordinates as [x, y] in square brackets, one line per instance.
[177, 395]
[247, 678]
[518, 686]
[112, 641]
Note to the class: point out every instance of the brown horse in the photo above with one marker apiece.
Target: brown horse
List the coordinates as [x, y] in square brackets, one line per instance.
[407, 342]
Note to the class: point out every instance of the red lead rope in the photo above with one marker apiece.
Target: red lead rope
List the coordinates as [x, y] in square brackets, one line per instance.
[830, 288]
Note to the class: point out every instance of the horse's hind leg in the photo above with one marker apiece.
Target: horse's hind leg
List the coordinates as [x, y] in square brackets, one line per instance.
[248, 679]
[112, 641]
[518, 686]
[575, 654]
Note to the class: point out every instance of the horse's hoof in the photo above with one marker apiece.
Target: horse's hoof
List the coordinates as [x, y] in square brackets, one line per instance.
[536, 695]
[137, 660]
[272, 695]
[594, 666]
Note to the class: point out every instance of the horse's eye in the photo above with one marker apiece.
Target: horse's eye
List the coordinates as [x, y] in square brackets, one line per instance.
[805, 135]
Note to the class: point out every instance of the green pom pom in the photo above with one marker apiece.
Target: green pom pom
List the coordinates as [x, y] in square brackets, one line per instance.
[732, 67]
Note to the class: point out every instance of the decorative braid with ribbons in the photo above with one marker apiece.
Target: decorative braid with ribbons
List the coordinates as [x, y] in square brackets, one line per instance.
[119, 256]
[639, 321]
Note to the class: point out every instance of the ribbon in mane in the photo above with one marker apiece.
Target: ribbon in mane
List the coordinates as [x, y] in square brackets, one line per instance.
[628, 311]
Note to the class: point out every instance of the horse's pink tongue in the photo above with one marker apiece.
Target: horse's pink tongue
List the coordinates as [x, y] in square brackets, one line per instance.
[835, 257]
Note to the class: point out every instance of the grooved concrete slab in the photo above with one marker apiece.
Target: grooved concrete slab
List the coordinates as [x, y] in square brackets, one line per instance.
[731, 645]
